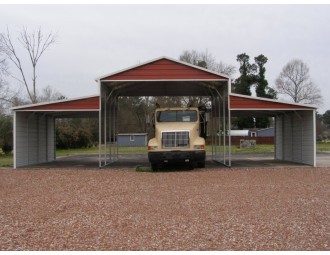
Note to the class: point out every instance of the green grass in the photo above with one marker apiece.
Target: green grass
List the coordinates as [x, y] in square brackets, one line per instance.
[6, 160]
[323, 146]
[143, 169]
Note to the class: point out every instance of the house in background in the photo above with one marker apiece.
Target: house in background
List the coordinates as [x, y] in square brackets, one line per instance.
[265, 132]
[132, 139]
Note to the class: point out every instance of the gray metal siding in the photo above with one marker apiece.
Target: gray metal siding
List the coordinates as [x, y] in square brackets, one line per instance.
[279, 137]
[51, 139]
[308, 141]
[42, 139]
[287, 138]
[34, 141]
[295, 138]
[21, 146]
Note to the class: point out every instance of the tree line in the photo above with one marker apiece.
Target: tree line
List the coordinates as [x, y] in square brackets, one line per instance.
[294, 82]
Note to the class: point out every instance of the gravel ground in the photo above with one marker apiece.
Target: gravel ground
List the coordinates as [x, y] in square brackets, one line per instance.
[210, 209]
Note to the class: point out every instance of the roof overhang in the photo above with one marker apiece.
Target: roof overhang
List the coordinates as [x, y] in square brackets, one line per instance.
[242, 105]
[82, 107]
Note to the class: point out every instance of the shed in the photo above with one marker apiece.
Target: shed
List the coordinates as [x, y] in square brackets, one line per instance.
[34, 127]
[295, 126]
[34, 140]
[132, 139]
[265, 132]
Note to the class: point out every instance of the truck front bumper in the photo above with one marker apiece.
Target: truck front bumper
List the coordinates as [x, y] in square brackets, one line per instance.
[176, 156]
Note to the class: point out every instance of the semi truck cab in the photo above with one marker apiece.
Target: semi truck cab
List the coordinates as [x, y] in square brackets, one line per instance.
[177, 138]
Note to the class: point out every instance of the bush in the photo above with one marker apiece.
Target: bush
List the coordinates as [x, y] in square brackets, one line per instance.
[70, 138]
[6, 148]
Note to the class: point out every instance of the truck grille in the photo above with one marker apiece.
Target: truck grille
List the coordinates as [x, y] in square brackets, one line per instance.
[176, 139]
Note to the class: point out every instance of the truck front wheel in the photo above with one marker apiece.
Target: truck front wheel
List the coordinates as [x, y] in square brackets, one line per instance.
[154, 167]
[201, 164]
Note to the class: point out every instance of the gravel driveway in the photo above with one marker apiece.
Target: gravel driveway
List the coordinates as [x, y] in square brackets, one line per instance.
[210, 209]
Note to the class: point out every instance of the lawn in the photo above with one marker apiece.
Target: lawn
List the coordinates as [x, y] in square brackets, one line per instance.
[323, 146]
[6, 160]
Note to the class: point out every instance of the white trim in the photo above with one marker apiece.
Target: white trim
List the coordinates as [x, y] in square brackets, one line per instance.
[229, 86]
[52, 102]
[229, 126]
[314, 136]
[273, 100]
[100, 124]
[14, 141]
[154, 60]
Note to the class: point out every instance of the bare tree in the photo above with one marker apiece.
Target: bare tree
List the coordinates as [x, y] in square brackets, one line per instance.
[5, 93]
[35, 43]
[207, 61]
[295, 82]
[225, 69]
[49, 94]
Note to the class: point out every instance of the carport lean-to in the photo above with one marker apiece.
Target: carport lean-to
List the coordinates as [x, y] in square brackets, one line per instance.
[294, 123]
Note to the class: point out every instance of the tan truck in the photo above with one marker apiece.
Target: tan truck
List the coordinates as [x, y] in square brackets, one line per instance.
[177, 138]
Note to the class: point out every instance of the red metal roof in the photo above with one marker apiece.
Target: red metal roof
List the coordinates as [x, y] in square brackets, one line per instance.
[81, 104]
[237, 102]
[164, 69]
[242, 102]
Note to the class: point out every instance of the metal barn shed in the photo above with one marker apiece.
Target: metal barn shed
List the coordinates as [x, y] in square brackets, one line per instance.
[34, 127]
[34, 140]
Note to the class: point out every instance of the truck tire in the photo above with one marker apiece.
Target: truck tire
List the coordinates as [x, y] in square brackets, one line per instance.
[154, 167]
[201, 164]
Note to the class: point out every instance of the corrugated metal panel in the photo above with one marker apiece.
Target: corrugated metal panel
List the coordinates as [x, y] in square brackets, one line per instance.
[163, 69]
[295, 132]
[34, 139]
[42, 139]
[50, 139]
[287, 138]
[21, 146]
[308, 141]
[279, 137]
[297, 137]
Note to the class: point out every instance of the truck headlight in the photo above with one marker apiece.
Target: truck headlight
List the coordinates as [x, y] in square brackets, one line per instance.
[199, 147]
[152, 148]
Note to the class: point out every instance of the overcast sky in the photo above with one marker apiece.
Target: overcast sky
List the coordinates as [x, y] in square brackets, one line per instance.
[94, 40]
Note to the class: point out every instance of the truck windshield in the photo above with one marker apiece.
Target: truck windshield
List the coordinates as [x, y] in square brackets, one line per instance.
[177, 116]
